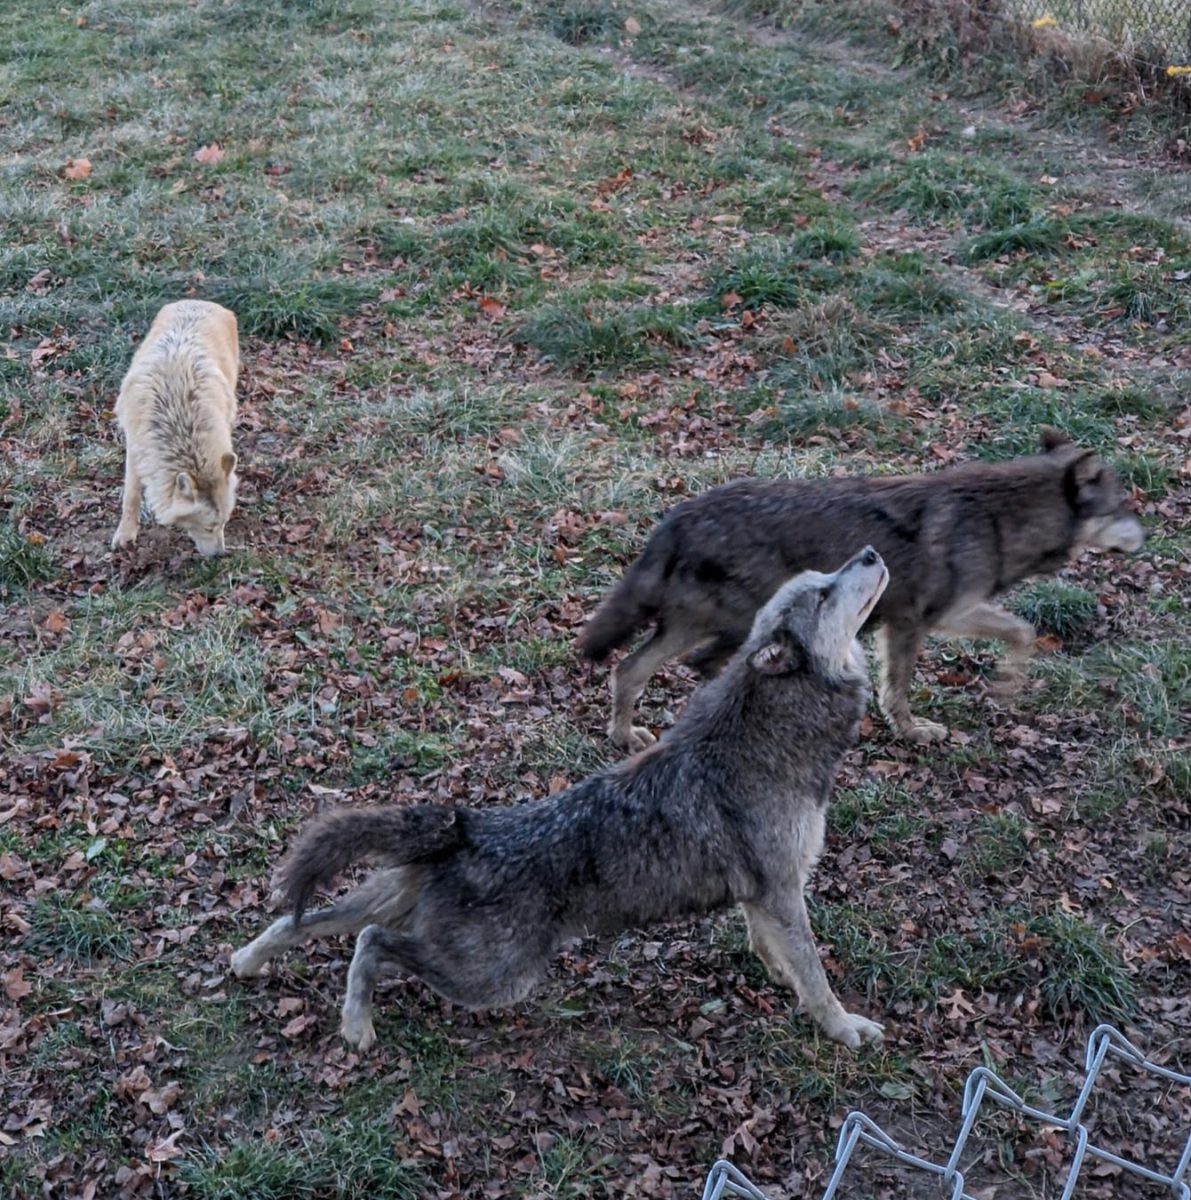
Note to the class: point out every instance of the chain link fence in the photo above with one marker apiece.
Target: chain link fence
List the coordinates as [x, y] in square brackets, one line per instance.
[1159, 29]
[983, 1087]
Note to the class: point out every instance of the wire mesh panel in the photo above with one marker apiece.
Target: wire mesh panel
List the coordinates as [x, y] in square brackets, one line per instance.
[1161, 27]
[725, 1180]
[983, 1088]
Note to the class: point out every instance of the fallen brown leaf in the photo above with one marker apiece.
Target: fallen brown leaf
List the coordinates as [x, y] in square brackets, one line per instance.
[210, 154]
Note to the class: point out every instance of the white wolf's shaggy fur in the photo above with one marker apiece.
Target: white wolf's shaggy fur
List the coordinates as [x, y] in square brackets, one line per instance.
[176, 407]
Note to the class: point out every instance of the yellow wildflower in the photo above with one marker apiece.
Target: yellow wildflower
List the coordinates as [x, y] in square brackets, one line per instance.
[1046, 22]
[1176, 71]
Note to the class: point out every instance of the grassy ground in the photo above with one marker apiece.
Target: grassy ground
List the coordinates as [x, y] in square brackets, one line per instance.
[512, 281]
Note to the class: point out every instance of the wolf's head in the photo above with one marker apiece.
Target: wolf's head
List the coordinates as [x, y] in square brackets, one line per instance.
[811, 622]
[201, 503]
[1100, 504]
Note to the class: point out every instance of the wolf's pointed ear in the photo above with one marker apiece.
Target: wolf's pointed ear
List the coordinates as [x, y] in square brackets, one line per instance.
[777, 657]
[1053, 439]
[185, 485]
[1079, 476]
[228, 463]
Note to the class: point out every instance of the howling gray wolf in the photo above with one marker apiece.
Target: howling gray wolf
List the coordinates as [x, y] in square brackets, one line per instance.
[176, 406]
[728, 808]
[952, 539]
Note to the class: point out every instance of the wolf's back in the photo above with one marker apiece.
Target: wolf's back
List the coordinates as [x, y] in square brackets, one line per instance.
[397, 836]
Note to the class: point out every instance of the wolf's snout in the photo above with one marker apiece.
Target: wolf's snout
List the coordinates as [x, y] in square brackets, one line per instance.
[867, 557]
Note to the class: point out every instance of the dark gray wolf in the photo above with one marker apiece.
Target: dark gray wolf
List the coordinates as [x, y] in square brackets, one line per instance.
[952, 539]
[729, 808]
[177, 405]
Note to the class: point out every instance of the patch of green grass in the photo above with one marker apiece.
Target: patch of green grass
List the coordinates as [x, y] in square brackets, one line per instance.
[979, 960]
[997, 845]
[625, 1060]
[24, 559]
[1053, 606]
[1014, 414]
[800, 414]
[1083, 972]
[819, 344]
[203, 676]
[774, 203]
[343, 1162]
[299, 306]
[759, 277]
[908, 295]
[887, 816]
[1131, 401]
[869, 963]
[54, 1046]
[938, 186]
[1154, 679]
[1042, 235]
[1154, 476]
[1071, 964]
[826, 239]
[1051, 235]
[80, 932]
[401, 750]
[595, 336]
[579, 24]
[783, 273]
[565, 1168]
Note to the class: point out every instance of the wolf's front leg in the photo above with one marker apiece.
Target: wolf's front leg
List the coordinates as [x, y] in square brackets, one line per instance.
[130, 508]
[897, 649]
[780, 932]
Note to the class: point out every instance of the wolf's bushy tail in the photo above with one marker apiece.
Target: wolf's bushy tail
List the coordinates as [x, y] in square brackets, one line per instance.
[632, 603]
[336, 839]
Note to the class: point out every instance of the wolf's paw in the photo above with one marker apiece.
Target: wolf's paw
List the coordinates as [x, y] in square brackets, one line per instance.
[356, 1029]
[922, 733]
[634, 739]
[245, 964]
[854, 1030]
[124, 536]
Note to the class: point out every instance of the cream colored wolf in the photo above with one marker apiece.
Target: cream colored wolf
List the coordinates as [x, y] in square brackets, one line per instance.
[176, 407]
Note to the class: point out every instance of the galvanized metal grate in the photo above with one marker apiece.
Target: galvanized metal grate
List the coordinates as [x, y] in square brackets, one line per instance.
[983, 1085]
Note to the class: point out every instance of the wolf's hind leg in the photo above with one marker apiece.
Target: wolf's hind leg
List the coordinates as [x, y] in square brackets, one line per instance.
[356, 1019]
[249, 961]
[629, 680]
[378, 948]
[992, 621]
[780, 932]
[898, 648]
[130, 507]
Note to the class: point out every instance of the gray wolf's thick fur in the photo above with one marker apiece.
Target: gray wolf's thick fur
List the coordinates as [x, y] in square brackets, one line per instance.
[729, 808]
[953, 539]
[176, 407]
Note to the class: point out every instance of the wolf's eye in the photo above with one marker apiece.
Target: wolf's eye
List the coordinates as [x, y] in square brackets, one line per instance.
[824, 595]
